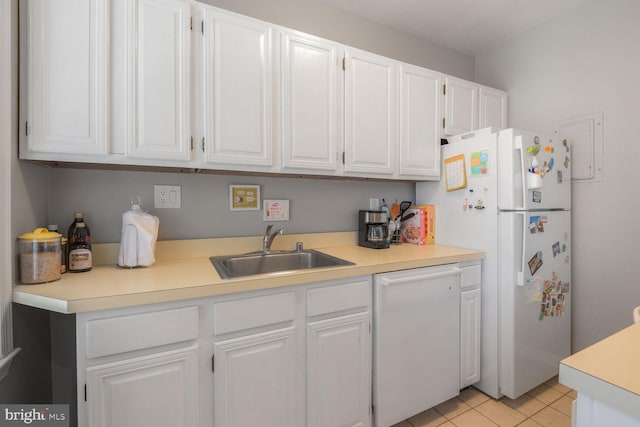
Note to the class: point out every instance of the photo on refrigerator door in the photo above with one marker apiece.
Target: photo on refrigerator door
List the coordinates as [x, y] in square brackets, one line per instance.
[548, 287]
[536, 223]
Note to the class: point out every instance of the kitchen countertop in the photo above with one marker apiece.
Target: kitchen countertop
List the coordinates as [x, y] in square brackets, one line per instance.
[183, 271]
[608, 371]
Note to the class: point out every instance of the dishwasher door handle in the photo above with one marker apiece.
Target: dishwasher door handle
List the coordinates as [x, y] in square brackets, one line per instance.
[436, 275]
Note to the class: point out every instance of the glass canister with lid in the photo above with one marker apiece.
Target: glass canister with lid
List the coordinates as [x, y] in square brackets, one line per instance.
[39, 254]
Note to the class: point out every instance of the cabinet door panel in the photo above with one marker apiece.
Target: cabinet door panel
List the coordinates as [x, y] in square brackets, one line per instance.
[339, 372]
[161, 82]
[469, 337]
[493, 108]
[67, 77]
[461, 106]
[238, 90]
[420, 113]
[159, 390]
[309, 103]
[254, 380]
[370, 113]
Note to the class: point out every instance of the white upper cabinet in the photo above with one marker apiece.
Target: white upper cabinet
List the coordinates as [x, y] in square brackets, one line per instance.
[65, 63]
[371, 92]
[460, 106]
[238, 91]
[420, 112]
[158, 126]
[470, 106]
[494, 108]
[178, 83]
[311, 91]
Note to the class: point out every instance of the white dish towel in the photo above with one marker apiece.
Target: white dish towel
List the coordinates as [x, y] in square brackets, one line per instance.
[139, 235]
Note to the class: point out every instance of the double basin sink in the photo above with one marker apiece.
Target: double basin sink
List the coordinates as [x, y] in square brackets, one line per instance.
[232, 266]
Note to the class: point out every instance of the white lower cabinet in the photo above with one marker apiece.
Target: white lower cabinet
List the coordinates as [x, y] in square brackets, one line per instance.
[291, 356]
[470, 316]
[254, 365]
[339, 372]
[254, 380]
[294, 358]
[339, 355]
[138, 366]
[157, 390]
[469, 337]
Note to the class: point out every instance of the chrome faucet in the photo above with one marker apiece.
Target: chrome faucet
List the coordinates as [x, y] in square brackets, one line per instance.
[268, 238]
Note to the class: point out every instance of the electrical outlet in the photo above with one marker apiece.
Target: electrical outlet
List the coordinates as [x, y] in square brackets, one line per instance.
[166, 196]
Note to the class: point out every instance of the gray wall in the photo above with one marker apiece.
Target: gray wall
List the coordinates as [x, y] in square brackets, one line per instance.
[584, 62]
[29, 378]
[316, 205]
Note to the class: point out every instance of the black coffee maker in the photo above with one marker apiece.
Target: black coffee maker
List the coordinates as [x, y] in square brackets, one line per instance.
[373, 229]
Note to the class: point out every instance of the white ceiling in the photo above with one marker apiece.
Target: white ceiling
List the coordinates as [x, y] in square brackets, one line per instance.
[471, 26]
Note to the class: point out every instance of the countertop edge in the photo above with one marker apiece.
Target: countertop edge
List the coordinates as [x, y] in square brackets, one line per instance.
[27, 295]
[600, 390]
[605, 370]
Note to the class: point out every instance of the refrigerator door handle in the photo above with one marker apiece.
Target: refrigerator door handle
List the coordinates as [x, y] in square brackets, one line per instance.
[521, 246]
[518, 147]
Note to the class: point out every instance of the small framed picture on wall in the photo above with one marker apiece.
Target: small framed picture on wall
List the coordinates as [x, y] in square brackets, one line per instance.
[244, 197]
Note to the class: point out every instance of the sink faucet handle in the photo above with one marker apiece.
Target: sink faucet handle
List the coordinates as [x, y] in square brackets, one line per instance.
[267, 240]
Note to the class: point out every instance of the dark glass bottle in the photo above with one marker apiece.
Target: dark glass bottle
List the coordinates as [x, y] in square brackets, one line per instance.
[79, 242]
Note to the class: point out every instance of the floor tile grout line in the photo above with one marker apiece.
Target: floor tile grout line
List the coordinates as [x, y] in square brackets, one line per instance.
[470, 407]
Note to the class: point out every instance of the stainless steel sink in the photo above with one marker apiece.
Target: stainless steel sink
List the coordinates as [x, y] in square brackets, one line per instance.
[231, 266]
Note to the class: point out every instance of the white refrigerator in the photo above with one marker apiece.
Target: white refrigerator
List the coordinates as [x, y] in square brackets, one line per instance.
[508, 194]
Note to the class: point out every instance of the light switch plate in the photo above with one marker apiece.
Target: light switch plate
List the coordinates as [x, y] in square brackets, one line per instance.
[166, 196]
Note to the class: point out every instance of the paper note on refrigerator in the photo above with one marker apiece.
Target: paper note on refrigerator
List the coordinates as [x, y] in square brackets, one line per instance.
[455, 173]
[533, 291]
[479, 163]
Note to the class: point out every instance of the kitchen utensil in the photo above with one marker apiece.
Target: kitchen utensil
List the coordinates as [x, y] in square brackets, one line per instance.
[406, 217]
[393, 226]
[395, 209]
[404, 206]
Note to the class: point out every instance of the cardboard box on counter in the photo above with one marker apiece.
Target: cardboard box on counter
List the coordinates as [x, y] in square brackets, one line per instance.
[420, 228]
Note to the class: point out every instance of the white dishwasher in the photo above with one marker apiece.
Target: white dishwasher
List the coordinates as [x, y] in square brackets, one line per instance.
[416, 341]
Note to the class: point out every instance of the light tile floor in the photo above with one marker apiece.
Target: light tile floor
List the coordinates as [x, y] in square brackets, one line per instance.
[546, 405]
